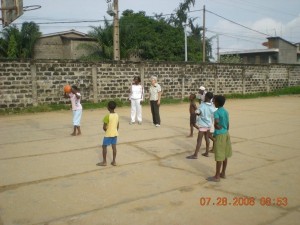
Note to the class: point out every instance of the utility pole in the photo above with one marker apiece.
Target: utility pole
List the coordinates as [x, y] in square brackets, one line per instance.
[203, 41]
[116, 31]
[185, 43]
[113, 10]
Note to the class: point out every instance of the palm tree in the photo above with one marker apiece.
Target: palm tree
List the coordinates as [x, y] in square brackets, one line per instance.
[180, 17]
[10, 42]
[19, 44]
[29, 34]
[103, 35]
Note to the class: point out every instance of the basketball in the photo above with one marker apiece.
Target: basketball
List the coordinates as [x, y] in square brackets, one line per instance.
[67, 88]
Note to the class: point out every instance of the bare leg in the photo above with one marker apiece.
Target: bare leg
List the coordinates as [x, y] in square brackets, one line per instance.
[114, 147]
[218, 169]
[222, 175]
[206, 135]
[74, 131]
[191, 130]
[199, 142]
[78, 130]
[211, 137]
[104, 152]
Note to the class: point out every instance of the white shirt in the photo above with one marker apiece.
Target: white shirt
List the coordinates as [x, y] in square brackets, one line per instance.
[137, 92]
[75, 101]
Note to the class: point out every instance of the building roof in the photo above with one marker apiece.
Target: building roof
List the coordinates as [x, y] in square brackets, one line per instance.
[270, 50]
[282, 40]
[63, 33]
[78, 38]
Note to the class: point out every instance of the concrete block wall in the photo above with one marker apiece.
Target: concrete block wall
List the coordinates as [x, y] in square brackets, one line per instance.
[51, 78]
[293, 75]
[25, 84]
[114, 79]
[15, 85]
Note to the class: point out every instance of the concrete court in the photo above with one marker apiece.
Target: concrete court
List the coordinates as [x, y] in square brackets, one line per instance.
[48, 177]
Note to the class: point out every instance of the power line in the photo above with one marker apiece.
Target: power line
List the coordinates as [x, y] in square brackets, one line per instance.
[63, 22]
[231, 21]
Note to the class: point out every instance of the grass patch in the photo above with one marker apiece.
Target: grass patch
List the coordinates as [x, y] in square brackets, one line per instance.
[283, 91]
[103, 104]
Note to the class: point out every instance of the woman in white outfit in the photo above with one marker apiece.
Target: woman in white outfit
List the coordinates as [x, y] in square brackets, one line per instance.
[136, 97]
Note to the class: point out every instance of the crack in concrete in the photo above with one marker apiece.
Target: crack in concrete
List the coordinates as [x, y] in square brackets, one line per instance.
[86, 148]
[181, 189]
[19, 185]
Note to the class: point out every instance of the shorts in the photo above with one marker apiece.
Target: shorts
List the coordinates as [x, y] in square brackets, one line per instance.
[109, 141]
[193, 118]
[77, 117]
[204, 129]
[222, 147]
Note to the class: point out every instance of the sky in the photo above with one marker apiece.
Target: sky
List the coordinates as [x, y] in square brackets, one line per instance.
[259, 18]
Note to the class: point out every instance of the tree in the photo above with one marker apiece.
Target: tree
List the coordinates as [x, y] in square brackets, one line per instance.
[104, 37]
[29, 35]
[180, 17]
[231, 59]
[9, 42]
[19, 44]
[151, 38]
[12, 50]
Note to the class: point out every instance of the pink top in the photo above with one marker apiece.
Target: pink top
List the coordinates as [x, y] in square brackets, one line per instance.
[75, 101]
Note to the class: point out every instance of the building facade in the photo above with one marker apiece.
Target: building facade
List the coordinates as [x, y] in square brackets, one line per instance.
[62, 45]
[278, 51]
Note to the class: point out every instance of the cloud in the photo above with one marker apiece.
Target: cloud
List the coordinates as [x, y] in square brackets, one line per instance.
[236, 38]
[268, 26]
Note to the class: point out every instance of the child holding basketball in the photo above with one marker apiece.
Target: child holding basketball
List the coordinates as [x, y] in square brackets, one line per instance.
[222, 144]
[206, 111]
[111, 127]
[75, 96]
[193, 115]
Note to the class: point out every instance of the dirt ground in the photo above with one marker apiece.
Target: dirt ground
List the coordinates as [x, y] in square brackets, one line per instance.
[49, 177]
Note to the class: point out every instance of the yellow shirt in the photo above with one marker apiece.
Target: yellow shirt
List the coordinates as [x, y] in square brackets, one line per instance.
[112, 121]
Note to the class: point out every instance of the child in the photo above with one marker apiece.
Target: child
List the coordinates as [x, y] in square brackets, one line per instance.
[206, 111]
[111, 127]
[193, 115]
[76, 108]
[136, 97]
[222, 145]
[202, 92]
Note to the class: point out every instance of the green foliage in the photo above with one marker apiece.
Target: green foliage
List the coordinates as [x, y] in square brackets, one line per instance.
[150, 38]
[231, 59]
[19, 44]
[180, 16]
[104, 37]
[9, 42]
[284, 91]
[12, 51]
[29, 35]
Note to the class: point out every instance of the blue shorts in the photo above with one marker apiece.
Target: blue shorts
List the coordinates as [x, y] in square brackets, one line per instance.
[109, 141]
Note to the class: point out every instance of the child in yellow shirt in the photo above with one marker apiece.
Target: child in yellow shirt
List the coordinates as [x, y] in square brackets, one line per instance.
[111, 127]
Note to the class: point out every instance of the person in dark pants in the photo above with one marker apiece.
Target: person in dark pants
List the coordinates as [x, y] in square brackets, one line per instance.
[155, 96]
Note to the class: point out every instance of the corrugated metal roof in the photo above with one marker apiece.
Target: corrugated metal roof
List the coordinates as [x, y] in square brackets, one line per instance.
[64, 32]
[250, 51]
